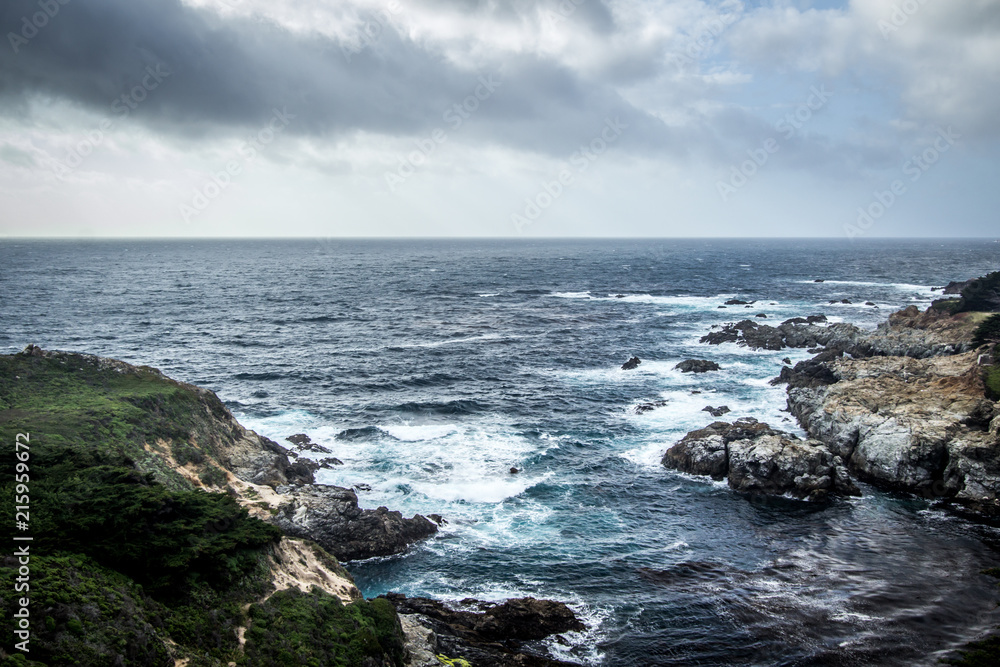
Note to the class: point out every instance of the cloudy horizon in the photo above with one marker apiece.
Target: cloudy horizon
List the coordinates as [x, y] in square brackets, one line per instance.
[503, 118]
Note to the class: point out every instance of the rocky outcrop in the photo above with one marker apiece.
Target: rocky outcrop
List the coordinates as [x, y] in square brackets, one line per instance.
[815, 372]
[905, 406]
[697, 366]
[716, 412]
[330, 516]
[759, 460]
[909, 332]
[918, 425]
[494, 634]
[631, 364]
[305, 443]
[955, 286]
[649, 406]
[796, 332]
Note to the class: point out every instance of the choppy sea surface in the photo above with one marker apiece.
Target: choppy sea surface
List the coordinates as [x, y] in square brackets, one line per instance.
[431, 368]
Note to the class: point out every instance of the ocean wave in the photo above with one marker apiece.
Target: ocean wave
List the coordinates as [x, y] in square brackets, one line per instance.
[462, 406]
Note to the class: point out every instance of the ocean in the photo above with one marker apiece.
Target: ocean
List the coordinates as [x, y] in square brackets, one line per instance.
[433, 367]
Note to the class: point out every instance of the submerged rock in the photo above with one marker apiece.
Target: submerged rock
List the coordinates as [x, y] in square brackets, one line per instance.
[716, 412]
[757, 459]
[648, 406]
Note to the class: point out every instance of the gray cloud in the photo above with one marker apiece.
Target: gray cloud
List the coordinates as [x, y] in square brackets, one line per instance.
[229, 74]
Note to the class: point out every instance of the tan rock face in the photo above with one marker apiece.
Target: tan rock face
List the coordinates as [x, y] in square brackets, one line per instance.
[922, 425]
[299, 564]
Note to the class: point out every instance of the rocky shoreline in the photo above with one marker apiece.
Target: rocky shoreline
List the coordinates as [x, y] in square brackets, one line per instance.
[906, 407]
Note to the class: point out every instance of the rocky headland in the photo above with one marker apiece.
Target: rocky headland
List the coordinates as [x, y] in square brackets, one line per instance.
[909, 407]
[167, 534]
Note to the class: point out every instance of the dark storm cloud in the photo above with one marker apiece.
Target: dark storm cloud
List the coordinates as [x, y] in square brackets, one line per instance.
[230, 74]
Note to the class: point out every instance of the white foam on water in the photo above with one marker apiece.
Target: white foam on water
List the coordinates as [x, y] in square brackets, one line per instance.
[416, 432]
[473, 490]
[572, 295]
[450, 341]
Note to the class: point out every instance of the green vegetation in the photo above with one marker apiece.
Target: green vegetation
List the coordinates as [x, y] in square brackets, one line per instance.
[293, 628]
[988, 331]
[950, 306]
[982, 294]
[130, 565]
[991, 379]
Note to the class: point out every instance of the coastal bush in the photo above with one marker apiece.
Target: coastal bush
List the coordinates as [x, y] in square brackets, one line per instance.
[982, 294]
[295, 628]
[992, 381]
[988, 331]
[950, 306]
[985, 653]
[84, 614]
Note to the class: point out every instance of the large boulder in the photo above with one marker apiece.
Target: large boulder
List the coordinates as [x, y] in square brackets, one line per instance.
[759, 460]
[493, 634]
[697, 366]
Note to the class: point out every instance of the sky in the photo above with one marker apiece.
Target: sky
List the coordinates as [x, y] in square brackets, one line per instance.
[499, 118]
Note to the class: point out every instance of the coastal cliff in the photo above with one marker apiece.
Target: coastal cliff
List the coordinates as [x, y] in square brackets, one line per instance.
[167, 534]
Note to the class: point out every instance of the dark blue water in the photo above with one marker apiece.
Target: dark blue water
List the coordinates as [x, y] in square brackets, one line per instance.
[462, 359]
